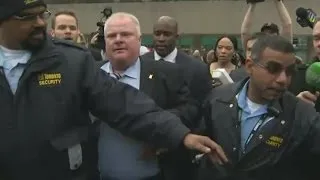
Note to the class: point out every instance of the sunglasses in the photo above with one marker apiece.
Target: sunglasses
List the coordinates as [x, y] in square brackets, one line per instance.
[30, 17]
[277, 68]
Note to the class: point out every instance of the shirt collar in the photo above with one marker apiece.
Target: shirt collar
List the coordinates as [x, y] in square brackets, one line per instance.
[170, 57]
[242, 98]
[132, 72]
[19, 57]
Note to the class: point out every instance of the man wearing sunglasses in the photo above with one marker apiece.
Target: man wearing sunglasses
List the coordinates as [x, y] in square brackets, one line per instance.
[266, 132]
[48, 87]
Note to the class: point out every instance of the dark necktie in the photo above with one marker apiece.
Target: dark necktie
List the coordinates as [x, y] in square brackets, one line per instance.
[118, 75]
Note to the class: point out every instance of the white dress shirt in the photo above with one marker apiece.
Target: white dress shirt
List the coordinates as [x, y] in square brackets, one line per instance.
[169, 58]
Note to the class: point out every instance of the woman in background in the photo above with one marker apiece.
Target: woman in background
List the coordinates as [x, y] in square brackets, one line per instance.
[224, 54]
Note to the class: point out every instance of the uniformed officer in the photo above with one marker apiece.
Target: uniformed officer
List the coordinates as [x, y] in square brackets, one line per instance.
[46, 89]
[266, 132]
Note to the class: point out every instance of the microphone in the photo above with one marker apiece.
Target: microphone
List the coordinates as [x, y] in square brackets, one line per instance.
[306, 17]
[313, 76]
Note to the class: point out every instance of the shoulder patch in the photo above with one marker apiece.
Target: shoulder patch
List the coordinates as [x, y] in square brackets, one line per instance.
[65, 43]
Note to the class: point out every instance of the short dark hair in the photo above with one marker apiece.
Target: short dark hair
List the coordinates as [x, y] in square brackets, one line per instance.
[256, 35]
[63, 12]
[270, 27]
[277, 43]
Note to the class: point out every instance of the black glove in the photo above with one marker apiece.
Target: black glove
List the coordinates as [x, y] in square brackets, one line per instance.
[254, 1]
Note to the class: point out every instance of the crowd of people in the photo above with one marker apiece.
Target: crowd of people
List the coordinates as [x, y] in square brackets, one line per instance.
[70, 111]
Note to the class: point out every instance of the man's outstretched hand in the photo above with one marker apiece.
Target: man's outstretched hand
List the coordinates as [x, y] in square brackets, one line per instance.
[207, 146]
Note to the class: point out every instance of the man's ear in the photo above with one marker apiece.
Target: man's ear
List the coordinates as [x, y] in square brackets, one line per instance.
[249, 65]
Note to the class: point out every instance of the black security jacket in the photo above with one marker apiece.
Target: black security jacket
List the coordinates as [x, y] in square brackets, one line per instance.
[49, 114]
[287, 147]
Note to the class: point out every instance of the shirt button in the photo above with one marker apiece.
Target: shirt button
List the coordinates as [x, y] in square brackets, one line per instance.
[260, 136]
[234, 149]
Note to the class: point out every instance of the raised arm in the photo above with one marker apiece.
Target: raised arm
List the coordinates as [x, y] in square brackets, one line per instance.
[285, 20]
[247, 24]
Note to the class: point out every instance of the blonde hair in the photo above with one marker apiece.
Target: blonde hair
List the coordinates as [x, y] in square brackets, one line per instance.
[122, 15]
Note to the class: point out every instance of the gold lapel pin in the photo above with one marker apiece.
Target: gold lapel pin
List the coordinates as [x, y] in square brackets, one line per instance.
[150, 76]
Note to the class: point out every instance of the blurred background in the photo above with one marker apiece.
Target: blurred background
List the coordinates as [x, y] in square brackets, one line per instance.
[200, 21]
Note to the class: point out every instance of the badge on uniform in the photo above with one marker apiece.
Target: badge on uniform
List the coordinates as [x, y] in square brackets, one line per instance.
[75, 156]
[274, 141]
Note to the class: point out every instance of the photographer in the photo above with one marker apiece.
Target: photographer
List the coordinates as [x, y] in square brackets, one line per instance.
[268, 28]
[97, 37]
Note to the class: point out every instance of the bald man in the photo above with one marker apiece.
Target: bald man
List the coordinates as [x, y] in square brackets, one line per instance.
[177, 165]
[165, 35]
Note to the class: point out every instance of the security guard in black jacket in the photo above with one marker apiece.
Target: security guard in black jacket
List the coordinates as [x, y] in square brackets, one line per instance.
[266, 132]
[44, 124]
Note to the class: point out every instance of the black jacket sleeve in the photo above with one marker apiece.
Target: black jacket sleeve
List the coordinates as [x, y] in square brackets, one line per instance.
[308, 128]
[201, 81]
[182, 103]
[307, 133]
[238, 74]
[128, 110]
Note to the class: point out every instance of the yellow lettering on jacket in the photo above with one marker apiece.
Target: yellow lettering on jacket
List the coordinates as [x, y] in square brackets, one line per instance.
[49, 79]
[274, 141]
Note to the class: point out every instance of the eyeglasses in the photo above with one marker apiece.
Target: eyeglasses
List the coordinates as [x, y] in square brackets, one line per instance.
[44, 15]
[276, 68]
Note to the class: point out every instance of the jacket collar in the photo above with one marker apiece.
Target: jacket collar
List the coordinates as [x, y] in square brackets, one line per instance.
[48, 49]
[275, 106]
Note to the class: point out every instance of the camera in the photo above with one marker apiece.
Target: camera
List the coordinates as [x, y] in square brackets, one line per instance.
[106, 13]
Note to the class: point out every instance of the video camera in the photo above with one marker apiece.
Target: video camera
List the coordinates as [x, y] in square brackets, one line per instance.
[306, 17]
[106, 13]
